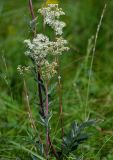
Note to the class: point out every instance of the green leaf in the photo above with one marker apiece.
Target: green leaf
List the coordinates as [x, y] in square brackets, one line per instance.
[75, 137]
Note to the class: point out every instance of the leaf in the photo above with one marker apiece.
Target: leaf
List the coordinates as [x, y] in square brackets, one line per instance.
[45, 121]
[86, 124]
[75, 137]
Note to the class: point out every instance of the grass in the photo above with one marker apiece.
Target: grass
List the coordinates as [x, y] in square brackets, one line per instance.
[82, 21]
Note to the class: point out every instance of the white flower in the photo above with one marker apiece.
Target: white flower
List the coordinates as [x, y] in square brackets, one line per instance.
[59, 46]
[49, 70]
[51, 16]
[40, 48]
[58, 27]
[28, 42]
[22, 69]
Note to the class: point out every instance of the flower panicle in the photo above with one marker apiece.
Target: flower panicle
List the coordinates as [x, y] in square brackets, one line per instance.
[41, 47]
[23, 69]
[51, 15]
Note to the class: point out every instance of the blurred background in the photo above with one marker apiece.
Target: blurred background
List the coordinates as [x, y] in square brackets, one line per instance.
[79, 97]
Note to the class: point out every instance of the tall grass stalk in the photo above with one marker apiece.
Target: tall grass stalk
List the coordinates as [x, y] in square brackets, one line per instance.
[33, 126]
[87, 114]
[60, 102]
[7, 78]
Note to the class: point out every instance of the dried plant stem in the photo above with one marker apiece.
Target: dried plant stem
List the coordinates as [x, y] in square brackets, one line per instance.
[33, 126]
[60, 100]
[39, 76]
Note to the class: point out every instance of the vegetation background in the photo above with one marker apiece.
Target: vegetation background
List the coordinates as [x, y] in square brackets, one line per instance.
[82, 18]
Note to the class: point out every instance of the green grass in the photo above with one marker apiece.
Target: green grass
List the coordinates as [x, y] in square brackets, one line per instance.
[82, 18]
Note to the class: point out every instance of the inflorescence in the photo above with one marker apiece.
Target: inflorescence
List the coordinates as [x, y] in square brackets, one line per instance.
[41, 46]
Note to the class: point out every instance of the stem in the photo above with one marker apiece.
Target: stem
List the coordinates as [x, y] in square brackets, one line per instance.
[52, 147]
[28, 107]
[40, 95]
[46, 114]
[92, 59]
[48, 139]
[60, 101]
[47, 101]
[61, 109]
[33, 16]
[39, 76]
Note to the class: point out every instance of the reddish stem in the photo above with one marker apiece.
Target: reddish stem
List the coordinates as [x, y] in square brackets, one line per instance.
[52, 147]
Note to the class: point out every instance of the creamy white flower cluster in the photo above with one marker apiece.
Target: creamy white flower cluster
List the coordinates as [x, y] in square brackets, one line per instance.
[22, 69]
[59, 46]
[51, 15]
[49, 70]
[41, 46]
[38, 49]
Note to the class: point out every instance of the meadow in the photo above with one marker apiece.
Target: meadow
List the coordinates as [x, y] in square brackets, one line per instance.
[86, 78]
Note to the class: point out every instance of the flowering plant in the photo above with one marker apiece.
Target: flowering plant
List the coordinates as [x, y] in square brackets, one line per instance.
[39, 49]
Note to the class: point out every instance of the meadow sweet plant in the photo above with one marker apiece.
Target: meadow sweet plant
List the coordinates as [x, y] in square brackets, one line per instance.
[44, 52]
